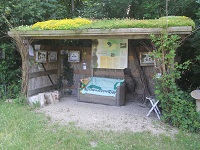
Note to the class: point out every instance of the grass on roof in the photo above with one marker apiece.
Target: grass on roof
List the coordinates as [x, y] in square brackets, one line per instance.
[82, 23]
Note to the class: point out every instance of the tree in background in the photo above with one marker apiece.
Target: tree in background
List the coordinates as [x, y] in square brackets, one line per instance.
[106, 9]
[10, 71]
[190, 50]
[137, 9]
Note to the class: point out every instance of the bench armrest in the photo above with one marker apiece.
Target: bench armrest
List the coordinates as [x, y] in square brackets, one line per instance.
[78, 91]
[120, 94]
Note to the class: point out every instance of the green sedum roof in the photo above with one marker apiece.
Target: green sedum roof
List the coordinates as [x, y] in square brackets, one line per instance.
[82, 23]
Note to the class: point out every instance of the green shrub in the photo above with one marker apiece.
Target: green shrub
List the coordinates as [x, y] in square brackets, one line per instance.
[180, 111]
[10, 72]
[178, 108]
[20, 100]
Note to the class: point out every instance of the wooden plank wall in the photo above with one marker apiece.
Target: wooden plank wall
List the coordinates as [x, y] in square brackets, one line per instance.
[38, 76]
[148, 72]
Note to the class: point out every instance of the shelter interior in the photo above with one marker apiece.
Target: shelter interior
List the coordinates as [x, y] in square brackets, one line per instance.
[48, 74]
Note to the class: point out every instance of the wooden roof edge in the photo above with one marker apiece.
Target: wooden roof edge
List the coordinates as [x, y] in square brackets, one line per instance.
[132, 33]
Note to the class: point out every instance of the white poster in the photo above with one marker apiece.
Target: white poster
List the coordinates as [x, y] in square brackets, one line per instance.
[111, 54]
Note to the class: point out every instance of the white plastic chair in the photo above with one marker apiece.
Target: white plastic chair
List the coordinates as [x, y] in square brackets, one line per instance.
[154, 107]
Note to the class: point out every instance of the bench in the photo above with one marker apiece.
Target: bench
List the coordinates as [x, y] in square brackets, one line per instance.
[102, 91]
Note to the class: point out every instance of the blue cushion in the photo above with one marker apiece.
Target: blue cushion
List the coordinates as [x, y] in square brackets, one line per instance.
[102, 86]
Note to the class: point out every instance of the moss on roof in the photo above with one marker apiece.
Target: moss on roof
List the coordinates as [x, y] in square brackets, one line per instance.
[82, 23]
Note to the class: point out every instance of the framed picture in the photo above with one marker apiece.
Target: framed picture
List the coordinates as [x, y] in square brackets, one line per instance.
[41, 56]
[73, 56]
[146, 59]
[52, 56]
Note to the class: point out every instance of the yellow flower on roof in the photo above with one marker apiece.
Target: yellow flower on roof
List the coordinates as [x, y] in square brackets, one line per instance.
[63, 24]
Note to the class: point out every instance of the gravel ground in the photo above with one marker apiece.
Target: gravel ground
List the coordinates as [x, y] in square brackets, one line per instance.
[131, 117]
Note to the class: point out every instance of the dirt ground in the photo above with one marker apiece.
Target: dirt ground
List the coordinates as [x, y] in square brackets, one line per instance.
[131, 117]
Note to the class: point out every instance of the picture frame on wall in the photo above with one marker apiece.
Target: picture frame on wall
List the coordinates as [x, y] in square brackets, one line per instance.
[73, 56]
[52, 56]
[146, 59]
[41, 56]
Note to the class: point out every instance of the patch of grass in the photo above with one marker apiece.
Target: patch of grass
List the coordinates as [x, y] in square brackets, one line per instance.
[21, 128]
[163, 22]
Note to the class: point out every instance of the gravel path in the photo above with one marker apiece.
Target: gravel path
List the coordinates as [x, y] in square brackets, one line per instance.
[131, 117]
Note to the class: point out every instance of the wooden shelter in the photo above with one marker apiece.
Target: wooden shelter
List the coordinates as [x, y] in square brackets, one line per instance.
[43, 76]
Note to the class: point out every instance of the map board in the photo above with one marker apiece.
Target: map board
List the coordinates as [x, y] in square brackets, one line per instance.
[111, 54]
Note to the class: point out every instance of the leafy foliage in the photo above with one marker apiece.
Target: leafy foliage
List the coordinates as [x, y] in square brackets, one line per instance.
[10, 71]
[190, 50]
[67, 75]
[68, 72]
[181, 7]
[148, 9]
[178, 107]
[105, 9]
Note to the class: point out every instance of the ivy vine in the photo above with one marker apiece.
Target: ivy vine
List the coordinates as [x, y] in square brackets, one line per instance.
[67, 74]
[178, 108]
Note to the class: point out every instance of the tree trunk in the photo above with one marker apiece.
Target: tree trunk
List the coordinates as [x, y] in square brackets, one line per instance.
[24, 86]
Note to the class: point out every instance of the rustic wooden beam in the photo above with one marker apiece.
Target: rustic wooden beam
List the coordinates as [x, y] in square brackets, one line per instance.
[82, 72]
[65, 86]
[41, 90]
[42, 73]
[125, 33]
[108, 73]
[75, 48]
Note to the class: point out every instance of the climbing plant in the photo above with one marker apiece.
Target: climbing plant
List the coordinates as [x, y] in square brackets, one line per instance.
[178, 107]
[66, 75]
[68, 72]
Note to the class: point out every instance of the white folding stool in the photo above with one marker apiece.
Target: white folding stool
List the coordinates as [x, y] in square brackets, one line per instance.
[154, 107]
